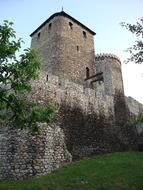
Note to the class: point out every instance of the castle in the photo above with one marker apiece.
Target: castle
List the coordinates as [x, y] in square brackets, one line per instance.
[87, 88]
[67, 48]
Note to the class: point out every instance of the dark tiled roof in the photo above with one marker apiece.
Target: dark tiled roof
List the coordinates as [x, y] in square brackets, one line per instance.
[65, 15]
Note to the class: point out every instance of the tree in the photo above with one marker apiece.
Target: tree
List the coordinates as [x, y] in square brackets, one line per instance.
[136, 51]
[16, 75]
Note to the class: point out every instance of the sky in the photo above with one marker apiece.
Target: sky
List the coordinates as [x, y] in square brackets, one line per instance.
[102, 16]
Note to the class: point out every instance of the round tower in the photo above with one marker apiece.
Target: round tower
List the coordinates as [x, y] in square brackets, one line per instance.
[110, 65]
[66, 46]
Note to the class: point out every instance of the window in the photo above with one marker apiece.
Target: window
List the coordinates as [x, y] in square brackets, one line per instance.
[77, 48]
[50, 25]
[47, 78]
[71, 25]
[38, 37]
[84, 34]
[87, 72]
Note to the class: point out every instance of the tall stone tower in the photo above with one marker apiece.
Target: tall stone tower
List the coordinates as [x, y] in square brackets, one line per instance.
[66, 46]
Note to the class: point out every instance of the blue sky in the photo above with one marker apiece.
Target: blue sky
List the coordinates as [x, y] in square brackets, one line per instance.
[102, 16]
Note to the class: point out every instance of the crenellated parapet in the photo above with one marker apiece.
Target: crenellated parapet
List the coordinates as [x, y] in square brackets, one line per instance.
[110, 65]
[58, 90]
[103, 56]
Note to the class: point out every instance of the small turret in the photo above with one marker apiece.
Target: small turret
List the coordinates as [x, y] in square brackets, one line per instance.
[110, 65]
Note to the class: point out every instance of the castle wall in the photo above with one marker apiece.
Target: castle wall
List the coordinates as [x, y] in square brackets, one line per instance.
[65, 49]
[87, 124]
[93, 122]
[23, 155]
[59, 90]
[135, 108]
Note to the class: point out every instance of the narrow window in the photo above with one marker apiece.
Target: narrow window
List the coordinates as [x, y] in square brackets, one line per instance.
[71, 25]
[50, 25]
[87, 72]
[47, 78]
[84, 34]
[77, 48]
[38, 37]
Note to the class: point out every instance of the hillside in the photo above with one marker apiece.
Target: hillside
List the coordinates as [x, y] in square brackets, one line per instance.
[116, 171]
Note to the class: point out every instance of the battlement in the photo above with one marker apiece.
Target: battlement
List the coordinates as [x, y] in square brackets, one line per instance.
[107, 56]
[65, 84]
[51, 88]
[56, 82]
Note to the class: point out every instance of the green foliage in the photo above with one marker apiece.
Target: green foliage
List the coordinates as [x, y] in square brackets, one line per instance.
[15, 79]
[135, 121]
[136, 51]
[116, 171]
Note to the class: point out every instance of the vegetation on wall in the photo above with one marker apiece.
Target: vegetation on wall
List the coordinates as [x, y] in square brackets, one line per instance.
[16, 75]
[136, 121]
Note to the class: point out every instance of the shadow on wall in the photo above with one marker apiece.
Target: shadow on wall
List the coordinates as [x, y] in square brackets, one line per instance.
[122, 114]
[88, 134]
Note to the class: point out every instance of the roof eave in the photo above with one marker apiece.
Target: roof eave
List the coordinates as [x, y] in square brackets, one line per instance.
[62, 14]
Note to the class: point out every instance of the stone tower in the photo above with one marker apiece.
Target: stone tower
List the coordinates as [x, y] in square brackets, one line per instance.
[66, 46]
[110, 65]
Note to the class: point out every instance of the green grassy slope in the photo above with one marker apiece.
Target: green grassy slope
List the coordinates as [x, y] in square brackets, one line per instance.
[117, 171]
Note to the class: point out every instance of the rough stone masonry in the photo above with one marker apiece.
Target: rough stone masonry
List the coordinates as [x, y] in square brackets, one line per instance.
[88, 91]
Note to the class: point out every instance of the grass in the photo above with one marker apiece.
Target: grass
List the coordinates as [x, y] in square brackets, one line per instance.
[116, 171]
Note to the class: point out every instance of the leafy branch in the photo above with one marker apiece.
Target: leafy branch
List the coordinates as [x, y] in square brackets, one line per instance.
[15, 78]
[136, 51]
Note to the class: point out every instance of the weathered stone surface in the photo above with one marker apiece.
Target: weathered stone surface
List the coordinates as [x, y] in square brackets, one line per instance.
[134, 106]
[66, 52]
[93, 122]
[23, 155]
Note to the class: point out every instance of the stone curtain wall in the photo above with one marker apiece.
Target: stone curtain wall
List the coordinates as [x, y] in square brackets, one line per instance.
[136, 109]
[134, 106]
[51, 88]
[92, 121]
[87, 124]
[23, 155]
